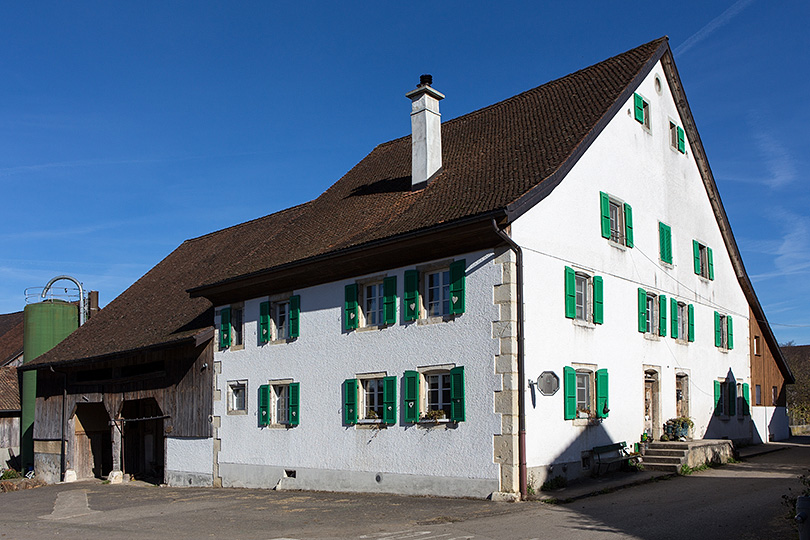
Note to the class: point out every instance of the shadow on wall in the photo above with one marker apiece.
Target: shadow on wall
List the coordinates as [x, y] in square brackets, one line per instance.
[731, 418]
[577, 459]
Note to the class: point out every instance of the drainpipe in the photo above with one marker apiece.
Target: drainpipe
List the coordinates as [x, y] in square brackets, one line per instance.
[64, 400]
[520, 360]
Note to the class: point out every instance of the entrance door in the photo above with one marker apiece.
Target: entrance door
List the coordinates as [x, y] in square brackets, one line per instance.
[682, 394]
[652, 423]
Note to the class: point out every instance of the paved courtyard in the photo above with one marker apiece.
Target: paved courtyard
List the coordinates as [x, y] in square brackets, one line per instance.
[735, 501]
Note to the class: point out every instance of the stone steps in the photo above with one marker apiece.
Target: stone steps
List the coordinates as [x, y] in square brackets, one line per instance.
[665, 456]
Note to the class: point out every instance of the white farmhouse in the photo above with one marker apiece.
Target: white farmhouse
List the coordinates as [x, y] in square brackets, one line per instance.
[478, 306]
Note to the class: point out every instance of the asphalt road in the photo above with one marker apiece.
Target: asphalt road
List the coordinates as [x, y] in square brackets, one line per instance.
[739, 501]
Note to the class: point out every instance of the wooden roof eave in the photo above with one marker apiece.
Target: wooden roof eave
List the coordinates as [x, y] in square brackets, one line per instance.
[442, 240]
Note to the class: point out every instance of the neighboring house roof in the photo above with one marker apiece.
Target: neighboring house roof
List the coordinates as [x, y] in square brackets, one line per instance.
[497, 163]
[11, 336]
[9, 390]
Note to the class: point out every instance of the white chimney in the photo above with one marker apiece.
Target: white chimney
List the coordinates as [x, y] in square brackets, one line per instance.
[426, 136]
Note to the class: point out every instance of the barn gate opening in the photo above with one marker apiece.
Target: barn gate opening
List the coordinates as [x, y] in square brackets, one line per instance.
[142, 440]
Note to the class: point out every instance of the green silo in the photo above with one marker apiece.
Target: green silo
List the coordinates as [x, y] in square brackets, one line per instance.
[45, 325]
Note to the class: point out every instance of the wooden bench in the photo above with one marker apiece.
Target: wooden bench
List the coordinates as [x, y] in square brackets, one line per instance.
[609, 454]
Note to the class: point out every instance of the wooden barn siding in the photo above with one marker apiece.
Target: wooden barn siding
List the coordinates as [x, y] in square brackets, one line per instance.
[9, 431]
[185, 393]
[764, 370]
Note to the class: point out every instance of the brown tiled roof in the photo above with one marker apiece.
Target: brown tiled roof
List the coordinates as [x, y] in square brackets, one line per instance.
[11, 336]
[9, 389]
[492, 158]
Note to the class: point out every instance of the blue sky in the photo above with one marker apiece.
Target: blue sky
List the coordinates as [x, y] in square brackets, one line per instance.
[128, 127]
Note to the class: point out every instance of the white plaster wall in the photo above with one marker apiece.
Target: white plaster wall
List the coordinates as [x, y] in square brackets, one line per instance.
[770, 421]
[325, 355]
[640, 167]
[190, 455]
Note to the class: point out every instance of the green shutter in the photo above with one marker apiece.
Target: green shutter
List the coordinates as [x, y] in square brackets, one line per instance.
[264, 322]
[638, 106]
[604, 206]
[732, 399]
[570, 293]
[457, 273]
[350, 307]
[390, 400]
[642, 310]
[730, 332]
[570, 393]
[264, 404]
[696, 255]
[390, 300]
[598, 303]
[662, 315]
[665, 242]
[411, 307]
[691, 322]
[711, 262]
[295, 316]
[673, 305]
[717, 398]
[410, 397]
[681, 141]
[628, 225]
[225, 328]
[294, 394]
[457, 409]
[350, 401]
[602, 404]
[747, 399]
[718, 331]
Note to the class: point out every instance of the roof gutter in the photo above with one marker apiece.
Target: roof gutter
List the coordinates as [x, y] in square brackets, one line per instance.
[520, 362]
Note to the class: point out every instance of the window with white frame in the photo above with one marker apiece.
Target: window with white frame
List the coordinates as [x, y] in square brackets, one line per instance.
[582, 288]
[723, 331]
[281, 320]
[237, 397]
[703, 260]
[651, 314]
[370, 303]
[373, 398]
[370, 398]
[584, 393]
[373, 297]
[616, 220]
[437, 293]
[585, 390]
[434, 394]
[438, 393]
[758, 394]
[683, 321]
[677, 137]
[757, 346]
[641, 110]
[583, 296]
[279, 403]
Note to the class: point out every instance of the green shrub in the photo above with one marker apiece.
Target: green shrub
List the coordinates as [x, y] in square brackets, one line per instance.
[8, 474]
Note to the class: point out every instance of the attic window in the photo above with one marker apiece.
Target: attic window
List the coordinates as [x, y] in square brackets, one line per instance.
[641, 108]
